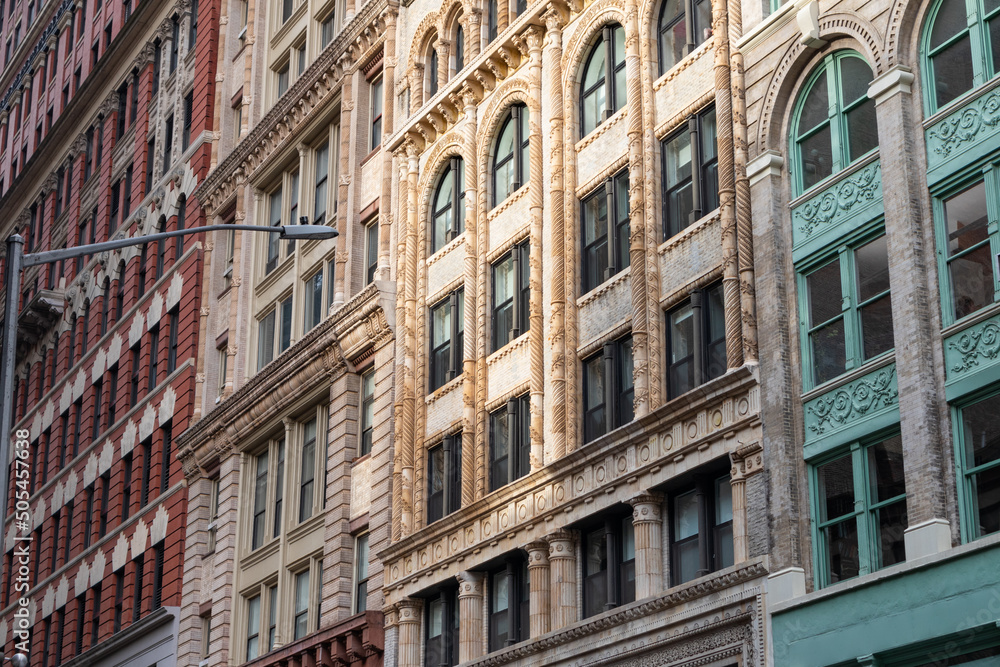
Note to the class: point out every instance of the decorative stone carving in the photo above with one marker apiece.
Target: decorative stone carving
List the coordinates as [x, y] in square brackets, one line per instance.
[853, 401]
[838, 200]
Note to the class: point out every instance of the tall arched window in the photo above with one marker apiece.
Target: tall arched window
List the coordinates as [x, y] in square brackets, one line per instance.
[120, 295]
[679, 35]
[449, 204]
[603, 91]
[510, 162]
[834, 120]
[432, 72]
[459, 48]
[105, 298]
[491, 20]
[961, 47]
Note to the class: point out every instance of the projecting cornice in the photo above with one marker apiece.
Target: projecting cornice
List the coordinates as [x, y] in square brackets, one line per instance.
[313, 92]
[364, 323]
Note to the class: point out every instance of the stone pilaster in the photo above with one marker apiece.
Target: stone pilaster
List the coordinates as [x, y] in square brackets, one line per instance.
[919, 363]
[470, 614]
[538, 596]
[562, 559]
[647, 521]
[409, 631]
[747, 460]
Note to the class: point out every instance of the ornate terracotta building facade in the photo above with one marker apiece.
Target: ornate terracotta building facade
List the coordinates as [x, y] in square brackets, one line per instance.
[105, 130]
[577, 432]
[289, 460]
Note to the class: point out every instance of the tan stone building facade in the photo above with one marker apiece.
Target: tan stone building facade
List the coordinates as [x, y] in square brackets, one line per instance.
[577, 429]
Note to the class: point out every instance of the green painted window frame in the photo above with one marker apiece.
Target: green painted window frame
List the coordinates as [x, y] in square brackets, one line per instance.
[865, 512]
[851, 306]
[983, 69]
[828, 70]
[963, 471]
[989, 175]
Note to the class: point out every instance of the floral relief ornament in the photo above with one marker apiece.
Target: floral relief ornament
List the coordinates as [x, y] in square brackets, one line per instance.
[975, 344]
[841, 198]
[854, 401]
[965, 125]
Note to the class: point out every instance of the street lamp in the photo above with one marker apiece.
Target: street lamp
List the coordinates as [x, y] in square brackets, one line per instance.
[17, 261]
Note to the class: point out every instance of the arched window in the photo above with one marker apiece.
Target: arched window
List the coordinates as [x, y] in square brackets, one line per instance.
[491, 20]
[961, 47]
[459, 48]
[449, 204]
[181, 217]
[510, 163]
[105, 298]
[432, 72]
[834, 122]
[603, 91]
[680, 35]
[120, 295]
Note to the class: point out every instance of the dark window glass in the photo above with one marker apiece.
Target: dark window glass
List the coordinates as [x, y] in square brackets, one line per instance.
[511, 165]
[696, 551]
[696, 341]
[605, 242]
[449, 204]
[447, 339]
[608, 389]
[444, 478]
[511, 294]
[510, 442]
[508, 604]
[608, 566]
[603, 89]
[441, 645]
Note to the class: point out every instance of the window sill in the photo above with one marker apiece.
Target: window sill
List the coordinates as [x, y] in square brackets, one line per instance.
[832, 179]
[971, 320]
[375, 151]
[688, 231]
[884, 359]
[682, 65]
[448, 387]
[604, 287]
[602, 128]
[961, 101]
[445, 249]
[511, 199]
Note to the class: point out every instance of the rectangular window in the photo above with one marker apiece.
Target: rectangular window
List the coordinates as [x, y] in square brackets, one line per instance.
[259, 527]
[175, 39]
[444, 478]
[375, 140]
[609, 566]
[361, 573]
[95, 620]
[90, 513]
[98, 404]
[608, 390]
[112, 394]
[272, 615]
[367, 411]
[81, 619]
[165, 458]
[265, 339]
[696, 341]
[154, 355]
[168, 142]
[696, 552]
[223, 368]
[119, 600]
[105, 497]
[510, 295]
[307, 477]
[127, 194]
[328, 30]
[274, 220]
[147, 455]
[282, 78]
[860, 511]
[322, 175]
[965, 237]
[447, 338]
[193, 27]
[510, 442]
[173, 321]
[114, 207]
[508, 604]
[441, 623]
[188, 112]
[158, 575]
[157, 58]
[313, 312]
[138, 567]
[691, 173]
[605, 238]
[293, 206]
[300, 620]
[371, 250]
[150, 150]
[846, 311]
[126, 486]
[213, 513]
[279, 488]
[253, 627]
[978, 458]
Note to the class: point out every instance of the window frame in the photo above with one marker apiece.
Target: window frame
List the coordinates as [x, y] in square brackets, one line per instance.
[451, 477]
[359, 602]
[977, 32]
[828, 73]
[517, 114]
[281, 314]
[447, 597]
[453, 174]
[619, 573]
[613, 192]
[851, 305]
[375, 105]
[705, 489]
[615, 402]
[515, 417]
[516, 615]
[869, 559]
[367, 402]
[700, 357]
[519, 298]
[455, 344]
[609, 79]
[704, 194]
[968, 505]
[371, 228]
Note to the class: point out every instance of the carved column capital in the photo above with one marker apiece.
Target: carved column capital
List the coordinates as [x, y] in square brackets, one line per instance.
[470, 584]
[538, 554]
[409, 610]
[561, 544]
[646, 507]
[747, 460]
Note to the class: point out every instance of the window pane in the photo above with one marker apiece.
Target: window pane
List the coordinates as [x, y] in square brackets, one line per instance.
[716, 333]
[862, 130]
[595, 68]
[872, 260]
[817, 157]
[816, 108]
[286, 325]
[993, 26]
[681, 350]
[301, 604]
[966, 219]
[503, 301]
[685, 516]
[686, 561]
[499, 449]
[952, 67]
[703, 20]
[723, 500]
[673, 38]
[891, 525]
[966, 223]
[876, 327]
[362, 557]
[972, 281]
[595, 568]
[626, 383]
[442, 324]
[985, 489]
[825, 300]
[982, 432]
[836, 488]
[265, 340]
[435, 617]
[842, 550]
[253, 627]
[500, 596]
[885, 469]
[949, 21]
[505, 144]
[855, 75]
[594, 398]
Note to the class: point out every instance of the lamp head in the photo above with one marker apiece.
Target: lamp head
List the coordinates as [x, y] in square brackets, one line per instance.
[307, 232]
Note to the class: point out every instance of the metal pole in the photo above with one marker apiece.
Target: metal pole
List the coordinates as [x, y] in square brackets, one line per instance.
[12, 284]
